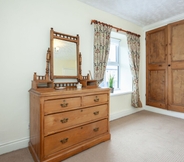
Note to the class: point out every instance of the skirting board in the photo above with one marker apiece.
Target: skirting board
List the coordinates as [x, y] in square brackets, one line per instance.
[125, 112]
[164, 112]
[14, 145]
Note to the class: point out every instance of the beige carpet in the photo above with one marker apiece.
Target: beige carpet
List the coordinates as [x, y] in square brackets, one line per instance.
[140, 137]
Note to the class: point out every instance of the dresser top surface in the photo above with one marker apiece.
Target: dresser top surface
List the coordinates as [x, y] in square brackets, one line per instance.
[65, 91]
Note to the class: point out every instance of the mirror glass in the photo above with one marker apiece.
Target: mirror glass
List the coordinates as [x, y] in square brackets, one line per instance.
[64, 58]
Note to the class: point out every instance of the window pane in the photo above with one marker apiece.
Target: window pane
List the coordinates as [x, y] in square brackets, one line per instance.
[112, 53]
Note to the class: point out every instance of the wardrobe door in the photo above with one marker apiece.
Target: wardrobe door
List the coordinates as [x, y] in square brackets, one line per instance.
[176, 66]
[156, 67]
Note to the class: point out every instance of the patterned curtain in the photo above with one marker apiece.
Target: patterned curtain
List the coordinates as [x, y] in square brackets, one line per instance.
[134, 57]
[101, 49]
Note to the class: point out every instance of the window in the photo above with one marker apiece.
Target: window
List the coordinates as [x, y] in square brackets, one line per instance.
[113, 64]
[118, 64]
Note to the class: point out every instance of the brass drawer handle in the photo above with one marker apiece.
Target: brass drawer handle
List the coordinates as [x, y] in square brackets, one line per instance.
[64, 120]
[64, 104]
[96, 113]
[95, 129]
[96, 99]
[64, 140]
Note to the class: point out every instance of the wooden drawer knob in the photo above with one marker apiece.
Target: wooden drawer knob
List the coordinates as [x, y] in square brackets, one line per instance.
[64, 140]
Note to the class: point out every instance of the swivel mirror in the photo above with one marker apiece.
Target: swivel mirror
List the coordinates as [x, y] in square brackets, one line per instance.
[64, 55]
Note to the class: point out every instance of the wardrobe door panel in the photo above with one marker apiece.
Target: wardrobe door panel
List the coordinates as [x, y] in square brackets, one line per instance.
[177, 40]
[156, 67]
[157, 47]
[176, 67]
[178, 87]
[156, 89]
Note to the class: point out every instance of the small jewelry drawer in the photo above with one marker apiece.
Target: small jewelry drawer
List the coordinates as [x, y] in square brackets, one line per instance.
[71, 137]
[57, 122]
[59, 105]
[94, 99]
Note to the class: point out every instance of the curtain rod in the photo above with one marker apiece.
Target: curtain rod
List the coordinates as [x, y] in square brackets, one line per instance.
[117, 29]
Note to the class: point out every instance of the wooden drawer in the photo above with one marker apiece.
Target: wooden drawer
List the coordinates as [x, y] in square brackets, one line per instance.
[56, 122]
[62, 104]
[94, 99]
[74, 136]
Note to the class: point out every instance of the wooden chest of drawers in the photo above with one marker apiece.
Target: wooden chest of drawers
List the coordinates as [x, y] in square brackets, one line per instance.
[66, 122]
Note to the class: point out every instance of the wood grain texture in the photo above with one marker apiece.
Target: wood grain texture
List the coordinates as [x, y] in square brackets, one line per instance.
[65, 120]
[178, 87]
[177, 38]
[35, 126]
[165, 67]
[156, 68]
[68, 138]
[61, 104]
[176, 68]
[157, 47]
[157, 86]
[58, 133]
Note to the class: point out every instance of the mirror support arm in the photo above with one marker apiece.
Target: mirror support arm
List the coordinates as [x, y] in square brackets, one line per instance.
[47, 64]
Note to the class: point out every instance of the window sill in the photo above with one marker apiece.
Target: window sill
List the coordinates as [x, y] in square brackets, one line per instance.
[118, 93]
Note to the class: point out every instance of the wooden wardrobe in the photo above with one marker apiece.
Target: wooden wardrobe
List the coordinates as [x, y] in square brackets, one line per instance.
[165, 67]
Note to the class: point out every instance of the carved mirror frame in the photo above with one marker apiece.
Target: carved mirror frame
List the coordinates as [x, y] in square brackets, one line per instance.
[70, 39]
[48, 80]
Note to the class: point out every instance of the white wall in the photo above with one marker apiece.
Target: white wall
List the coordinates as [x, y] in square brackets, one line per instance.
[24, 39]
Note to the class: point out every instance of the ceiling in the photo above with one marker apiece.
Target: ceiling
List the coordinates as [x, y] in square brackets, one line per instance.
[140, 12]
